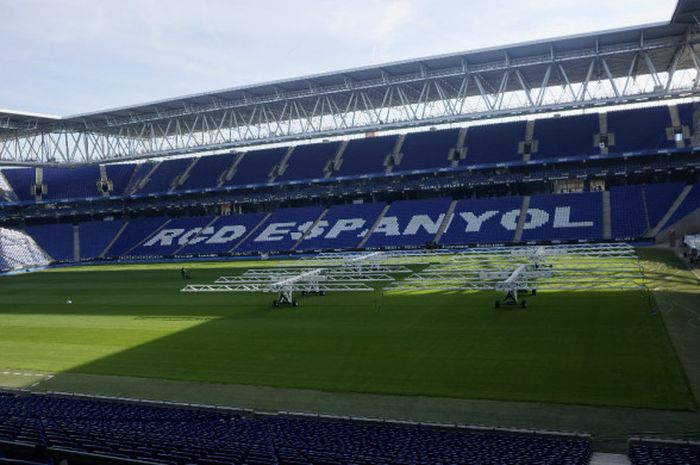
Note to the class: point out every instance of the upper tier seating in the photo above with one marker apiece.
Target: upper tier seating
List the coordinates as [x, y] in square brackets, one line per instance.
[481, 221]
[409, 223]
[564, 217]
[366, 156]
[181, 435]
[640, 129]
[55, 239]
[21, 180]
[629, 220]
[566, 136]
[95, 236]
[162, 179]
[256, 166]
[342, 227]
[309, 161]
[207, 172]
[68, 183]
[495, 143]
[119, 174]
[281, 230]
[423, 150]
[141, 170]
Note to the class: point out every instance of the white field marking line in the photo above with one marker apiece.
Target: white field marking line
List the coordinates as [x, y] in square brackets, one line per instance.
[38, 375]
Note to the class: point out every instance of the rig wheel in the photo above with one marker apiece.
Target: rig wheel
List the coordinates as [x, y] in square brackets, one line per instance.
[523, 304]
[498, 304]
[295, 303]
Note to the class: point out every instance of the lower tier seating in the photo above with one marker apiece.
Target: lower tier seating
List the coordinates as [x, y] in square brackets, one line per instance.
[178, 435]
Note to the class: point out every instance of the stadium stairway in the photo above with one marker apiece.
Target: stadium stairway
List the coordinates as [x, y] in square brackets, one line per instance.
[310, 229]
[607, 217]
[601, 458]
[374, 226]
[445, 222]
[114, 239]
[518, 235]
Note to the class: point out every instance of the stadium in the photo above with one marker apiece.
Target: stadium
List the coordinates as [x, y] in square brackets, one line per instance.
[487, 257]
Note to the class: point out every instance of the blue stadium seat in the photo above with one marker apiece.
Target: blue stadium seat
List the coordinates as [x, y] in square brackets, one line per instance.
[659, 453]
[565, 136]
[205, 174]
[136, 231]
[342, 227]
[688, 206]
[309, 161]
[161, 180]
[564, 217]
[281, 230]
[494, 143]
[55, 239]
[95, 236]
[480, 221]
[366, 156]
[640, 129]
[71, 183]
[409, 223]
[119, 174]
[659, 198]
[424, 150]
[627, 212]
[184, 435]
[222, 235]
[21, 180]
[172, 237]
[255, 166]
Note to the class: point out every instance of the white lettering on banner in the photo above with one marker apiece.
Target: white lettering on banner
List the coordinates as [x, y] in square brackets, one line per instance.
[203, 235]
[185, 238]
[534, 219]
[350, 224]
[423, 221]
[389, 226]
[275, 232]
[164, 237]
[226, 234]
[562, 219]
[474, 222]
[317, 230]
[301, 230]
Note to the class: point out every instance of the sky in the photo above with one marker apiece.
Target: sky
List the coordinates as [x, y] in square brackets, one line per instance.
[76, 56]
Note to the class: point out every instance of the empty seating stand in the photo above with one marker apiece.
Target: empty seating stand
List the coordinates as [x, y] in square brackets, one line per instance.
[170, 434]
[71, 183]
[162, 179]
[481, 221]
[309, 162]
[342, 227]
[119, 174]
[640, 129]
[564, 217]
[409, 223]
[566, 136]
[492, 144]
[206, 173]
[55, 239]
[657, 452]
[255, 167]
[281, 230]
[95, 236]
[366, 156]
[21, 180]
[425, 150]
[628, 216]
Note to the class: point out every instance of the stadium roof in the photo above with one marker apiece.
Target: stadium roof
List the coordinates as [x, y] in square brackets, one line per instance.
[486, 74]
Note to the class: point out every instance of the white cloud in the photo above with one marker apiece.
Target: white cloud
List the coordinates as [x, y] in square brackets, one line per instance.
[79, 55]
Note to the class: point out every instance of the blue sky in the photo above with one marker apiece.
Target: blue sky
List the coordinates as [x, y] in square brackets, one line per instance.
[75, 56]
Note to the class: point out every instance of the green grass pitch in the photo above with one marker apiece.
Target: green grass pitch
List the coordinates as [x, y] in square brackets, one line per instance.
[601, 348]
